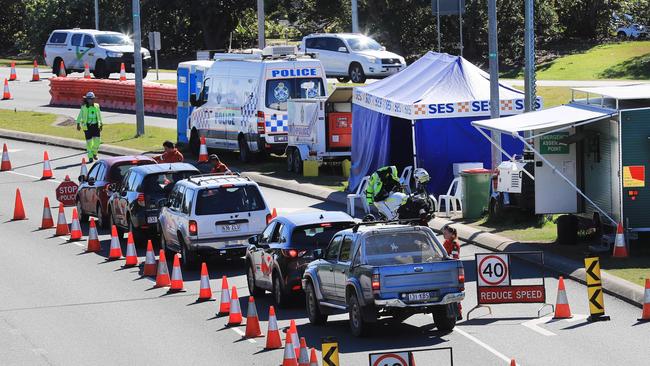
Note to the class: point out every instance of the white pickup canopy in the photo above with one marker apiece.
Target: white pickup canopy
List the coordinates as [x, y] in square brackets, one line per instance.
[556, 118]
[621, 92]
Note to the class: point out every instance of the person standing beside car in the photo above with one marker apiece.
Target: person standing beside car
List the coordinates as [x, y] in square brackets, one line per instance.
[170, 155]
[90, 120]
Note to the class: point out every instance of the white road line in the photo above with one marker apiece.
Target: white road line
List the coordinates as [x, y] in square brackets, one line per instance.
[241, 333]
[533, 324]
[484, 345]
[34, 177]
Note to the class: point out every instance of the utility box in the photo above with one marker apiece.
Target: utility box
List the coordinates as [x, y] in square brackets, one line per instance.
[510, 175]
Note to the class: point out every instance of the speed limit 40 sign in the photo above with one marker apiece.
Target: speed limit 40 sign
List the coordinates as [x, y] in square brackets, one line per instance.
[492, 269]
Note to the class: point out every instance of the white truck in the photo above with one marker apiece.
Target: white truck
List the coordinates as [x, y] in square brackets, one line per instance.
[320, 129]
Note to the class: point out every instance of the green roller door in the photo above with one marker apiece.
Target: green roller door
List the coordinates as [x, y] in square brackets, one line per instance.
[635, 159]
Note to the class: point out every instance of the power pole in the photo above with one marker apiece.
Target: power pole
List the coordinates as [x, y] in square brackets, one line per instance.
[260, 24]
[529, 50]
[355, 17]
[494, 76]
[97, 14]
[137, 55]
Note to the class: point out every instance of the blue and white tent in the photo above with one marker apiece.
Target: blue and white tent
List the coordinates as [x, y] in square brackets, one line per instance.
[423, 115]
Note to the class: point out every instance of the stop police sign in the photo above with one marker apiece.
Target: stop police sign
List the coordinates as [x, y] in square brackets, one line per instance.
[66, 192]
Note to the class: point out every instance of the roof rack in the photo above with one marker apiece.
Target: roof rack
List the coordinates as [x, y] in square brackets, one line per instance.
[227, 175]
[355, 228]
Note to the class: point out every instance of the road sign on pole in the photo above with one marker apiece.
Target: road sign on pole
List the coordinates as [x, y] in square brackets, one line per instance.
[595, 290]
[97, 14]
[330, 351]
[154, 45]
[493, 270]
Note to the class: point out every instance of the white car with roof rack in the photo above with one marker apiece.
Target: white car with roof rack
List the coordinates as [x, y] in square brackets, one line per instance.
[212, 215]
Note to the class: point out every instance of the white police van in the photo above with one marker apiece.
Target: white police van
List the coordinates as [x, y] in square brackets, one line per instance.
[242, 104]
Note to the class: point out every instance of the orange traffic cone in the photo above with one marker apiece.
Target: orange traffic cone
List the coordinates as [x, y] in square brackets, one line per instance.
[35, 74]
[177, 276]
[273, 340]
[562, 309]
[513, 362]
[224, 306]
[75, 228]
[289, 358]
[149, 261]
[274, 214]
[203, 151]
[84, 170]
[313, 359]
[47, 168]
[12, 75]
[205, 292]
[115, 251]
[122, 72]
[86, 71]
[19, 209]
[252, 320]
[62, 73]
[47, 221]
[303, 357]
[6, 163]
[61, 224]
[6, 94]
[234, 316]
[93, 244]
[294, 337]
[162, 274]
[620, 249]
[645, 314]
[131, 254]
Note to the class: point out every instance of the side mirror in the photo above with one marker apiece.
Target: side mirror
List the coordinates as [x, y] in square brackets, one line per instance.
[343, 49]
[383, 48]
[89, 45]
[91, 181]
[253, 240]
[318, 253]
[82, 178]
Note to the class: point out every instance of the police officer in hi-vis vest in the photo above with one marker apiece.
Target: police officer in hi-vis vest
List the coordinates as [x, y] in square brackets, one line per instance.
[90, 120]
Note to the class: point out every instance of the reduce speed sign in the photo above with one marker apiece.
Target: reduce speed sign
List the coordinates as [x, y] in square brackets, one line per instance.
[492, 269]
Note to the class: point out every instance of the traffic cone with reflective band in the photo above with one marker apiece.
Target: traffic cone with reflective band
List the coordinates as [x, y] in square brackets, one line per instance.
[19, 209]
[149, 261]
[234, 316]
[86, 71]
[75, 228]
[61, 224]
[162, 274]
[313, 359]
[620, 249]
[203, 151]
[93, 244]
[6, 94]
[289, 358]
[273, 340]
[562, 309]
[84, 170]
[294, 337]
[645, 314]
[122, 72]
[177, 276]
[62, 73]
[47, 168]
[115, 251]
[252, 320]
[35, 73]
[205, 292]
[12, 74]
[303, 357]
[224, 306]
[47, 221]
[6, 163]
[131, 254]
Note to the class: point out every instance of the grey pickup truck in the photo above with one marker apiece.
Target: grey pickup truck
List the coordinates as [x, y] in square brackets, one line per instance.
[379, 269]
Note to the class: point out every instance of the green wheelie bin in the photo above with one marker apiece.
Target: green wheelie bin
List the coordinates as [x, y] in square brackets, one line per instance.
[476, 192]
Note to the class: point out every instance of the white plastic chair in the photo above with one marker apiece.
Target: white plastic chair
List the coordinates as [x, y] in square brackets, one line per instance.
[454, 195]
[360, 193]
[405, 179]
[435, 202]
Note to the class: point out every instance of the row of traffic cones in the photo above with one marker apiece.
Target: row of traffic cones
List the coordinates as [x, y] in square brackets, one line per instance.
[5, 165]
[35, 73]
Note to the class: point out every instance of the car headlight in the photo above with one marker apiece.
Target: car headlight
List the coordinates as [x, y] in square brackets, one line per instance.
[114, 54]
[371, 59]
[401, 60]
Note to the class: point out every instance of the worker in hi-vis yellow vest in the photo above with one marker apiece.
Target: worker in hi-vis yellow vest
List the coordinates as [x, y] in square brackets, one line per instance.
[90, 120]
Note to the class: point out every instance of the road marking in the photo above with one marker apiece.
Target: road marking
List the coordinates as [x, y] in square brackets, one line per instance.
[534, 323]
[34, 177]
[241, 333]
[484, 345]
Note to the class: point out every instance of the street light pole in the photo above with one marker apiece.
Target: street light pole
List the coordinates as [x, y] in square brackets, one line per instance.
[97, 14]
[260, 24]
[529, 50]
[494, 76]
[137, 55]
[355, 16]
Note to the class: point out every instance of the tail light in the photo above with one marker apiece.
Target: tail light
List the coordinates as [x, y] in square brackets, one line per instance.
[461, 277]
[293, 253]
[376, 283]
[193, 228]
[269, 218]
[261, 123]
[141, 199]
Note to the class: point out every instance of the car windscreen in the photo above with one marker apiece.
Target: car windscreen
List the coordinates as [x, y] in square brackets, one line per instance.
[224, 200]
[279, 91]
[363, 44]
[387, 249]
[162, 183]
[316, 236]
[113, 39]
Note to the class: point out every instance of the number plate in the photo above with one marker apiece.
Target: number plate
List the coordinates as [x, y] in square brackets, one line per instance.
[419, 296]
[230, 228]
[281, 139]
[152, 220]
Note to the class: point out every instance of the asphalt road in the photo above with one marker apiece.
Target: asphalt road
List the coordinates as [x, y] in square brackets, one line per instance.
[63, 307]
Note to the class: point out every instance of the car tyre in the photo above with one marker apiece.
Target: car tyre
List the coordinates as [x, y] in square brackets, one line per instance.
[138, 234]
[444, 321]
[101, 71]
[297, 162]
[358, 326]
[102, 220]
[316, 317]
[279, 296]
[252, 285]
[356, 74]
[244, 152]
[343, 79]
[83, 218]
[189, 260]
[290, 160]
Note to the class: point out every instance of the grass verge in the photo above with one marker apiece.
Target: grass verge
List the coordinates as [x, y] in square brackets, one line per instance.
[553, 96]
[20, 62]
[526, 229]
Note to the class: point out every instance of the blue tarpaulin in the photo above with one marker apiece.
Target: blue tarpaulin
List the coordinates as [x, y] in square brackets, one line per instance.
[440, 94]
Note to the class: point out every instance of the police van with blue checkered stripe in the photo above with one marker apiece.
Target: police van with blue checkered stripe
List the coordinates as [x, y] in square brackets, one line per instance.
[242, 103]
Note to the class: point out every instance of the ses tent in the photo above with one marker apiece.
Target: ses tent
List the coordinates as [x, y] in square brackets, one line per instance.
[422, 116]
